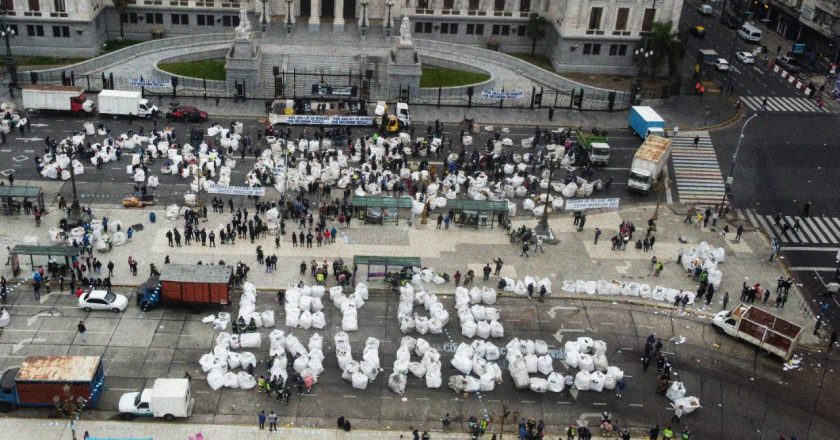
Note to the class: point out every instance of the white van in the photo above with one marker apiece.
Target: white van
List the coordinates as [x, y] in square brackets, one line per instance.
[749, 33]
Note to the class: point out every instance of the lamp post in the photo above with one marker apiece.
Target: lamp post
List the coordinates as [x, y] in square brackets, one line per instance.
[552, 161]
[70, 406]
[289, 17]
[75, 207]
[729, 179]
[389, 4]
[642, 55]
[7, 32]
[364, 25]
[263, 18]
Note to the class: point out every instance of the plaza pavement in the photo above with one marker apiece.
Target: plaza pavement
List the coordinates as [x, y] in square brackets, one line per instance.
[575, 258]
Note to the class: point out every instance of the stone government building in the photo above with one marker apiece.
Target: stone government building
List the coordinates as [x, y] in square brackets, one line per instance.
[584, 35]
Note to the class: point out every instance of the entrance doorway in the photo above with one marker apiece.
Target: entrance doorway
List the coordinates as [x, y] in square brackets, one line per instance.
[349, 8]
[305, 8]
[328, 8]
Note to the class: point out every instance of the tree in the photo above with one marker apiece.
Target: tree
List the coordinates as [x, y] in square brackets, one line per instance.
[121, 6]
[661, 44]
[536, 29]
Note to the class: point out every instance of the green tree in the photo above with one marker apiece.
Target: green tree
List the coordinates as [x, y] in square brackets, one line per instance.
[121, 6]
[536, 29]
[661, 44]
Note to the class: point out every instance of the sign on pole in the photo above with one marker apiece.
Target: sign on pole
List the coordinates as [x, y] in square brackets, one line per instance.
[582, 204]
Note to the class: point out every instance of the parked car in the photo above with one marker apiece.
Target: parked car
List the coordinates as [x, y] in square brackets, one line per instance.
[745, 57]
[792, 65]
[705, 9]
[102, 300]
[721, 64]
[698, 31]
[186, 114]
[730, 22]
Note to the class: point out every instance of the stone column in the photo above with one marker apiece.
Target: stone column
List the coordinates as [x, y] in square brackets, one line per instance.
[315, 16]
[338, 23]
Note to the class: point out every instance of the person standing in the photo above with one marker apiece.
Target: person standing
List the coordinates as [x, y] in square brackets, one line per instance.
[525, 249]
[261, 419]
[738, 232]
[832, 340]
[82, 329]
[597, 234]
[806, 211]
[499, 263]
[272, 422]
[487, 271]
[110, 267]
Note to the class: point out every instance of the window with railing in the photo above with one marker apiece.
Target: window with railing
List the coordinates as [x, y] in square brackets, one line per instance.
[499, 9]
[59, 9]
[473, 8]
[34, 9]
[8, 6]
[424, 7]
[230, 4]
[647, 20]
[205, 3]
[595, 16]
[153, 2]
[524, 8]
[448, 8]
[183, 3]
[621, 21]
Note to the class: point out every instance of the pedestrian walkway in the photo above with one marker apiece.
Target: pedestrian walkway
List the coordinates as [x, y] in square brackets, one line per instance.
[696, 169]
[780, 104]
[810, 231]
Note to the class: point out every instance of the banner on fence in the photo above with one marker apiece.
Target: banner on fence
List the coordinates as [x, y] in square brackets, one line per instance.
[501, 94]
[134, 82]
[320, 120]
[237, 190]
[581, 204]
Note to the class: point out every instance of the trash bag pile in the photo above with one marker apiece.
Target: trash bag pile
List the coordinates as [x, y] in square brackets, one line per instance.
[221, 321]
[349, 305]
[676, 393]
[247, 309]
[358, 373]
[477, 319]
[706, 257]
[520, 287]
[531, 366]
[478, 367]
[304, 307]
[308, 361]
[639, 290]
[590, 357]
[219, 363]
[5, 318]
[410, 321]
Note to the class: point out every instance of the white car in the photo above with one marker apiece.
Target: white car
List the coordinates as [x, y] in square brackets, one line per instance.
[102, 300]
[721, 64]
[745, 57]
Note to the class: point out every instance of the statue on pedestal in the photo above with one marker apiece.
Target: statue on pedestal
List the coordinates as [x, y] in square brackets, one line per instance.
[243, 31]
[405, 32]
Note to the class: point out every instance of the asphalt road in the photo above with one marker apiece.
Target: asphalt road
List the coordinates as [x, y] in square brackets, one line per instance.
[110, 184]
[744, 394]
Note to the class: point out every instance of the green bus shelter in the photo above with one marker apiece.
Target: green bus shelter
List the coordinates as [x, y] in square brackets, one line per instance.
[478, 213]
[379, 210]
[377, 266]
[13, 199]
[66, 252]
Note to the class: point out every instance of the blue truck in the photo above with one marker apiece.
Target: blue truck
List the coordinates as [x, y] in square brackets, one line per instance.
[645, 121]
[42, 379]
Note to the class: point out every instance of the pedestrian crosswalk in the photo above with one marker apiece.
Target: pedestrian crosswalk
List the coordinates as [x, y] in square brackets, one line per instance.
[780, 104]
[696, 169]
[794, 230]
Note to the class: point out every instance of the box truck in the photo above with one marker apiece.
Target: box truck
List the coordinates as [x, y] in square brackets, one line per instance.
[168, 398]
[760, 328]
[195, 285]
[124, 103]
[53, 97]
[648, 163]
[645, 121]
[42, 378]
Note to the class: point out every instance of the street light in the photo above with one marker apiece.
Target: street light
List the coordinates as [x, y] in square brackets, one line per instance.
[364, 25]
[7, 32]
[552, 161]
[389, 4]
[289, 17]
[729, 179]
[263, 18]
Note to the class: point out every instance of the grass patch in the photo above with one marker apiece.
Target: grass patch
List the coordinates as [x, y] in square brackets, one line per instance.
[43, 61]
[537, 60]
[203, 69]
[441, 77]
[112, 45]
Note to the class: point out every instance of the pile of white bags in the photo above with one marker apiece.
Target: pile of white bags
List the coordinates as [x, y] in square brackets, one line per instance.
[676, 393]
[304, 307]
[349, 305]
[218, 363]
[358, 373]
[247, 308]
[604, 287]
[429, 366]
[219, 322]
[410, 321]
[5, 318]
[707, 257]
[526, 358]
[475, 318]
[476, 363]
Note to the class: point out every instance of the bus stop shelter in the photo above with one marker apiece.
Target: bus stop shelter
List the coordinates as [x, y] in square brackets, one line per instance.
[478, 213]
[13, 199]
[379, 210]
[377, 266]
[66, 252]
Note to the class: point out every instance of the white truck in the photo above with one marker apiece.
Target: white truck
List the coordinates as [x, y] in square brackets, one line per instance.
[599, 153]
[168, 398]
[760, 328]
[125, 103]
[648, 163]
[54, 97]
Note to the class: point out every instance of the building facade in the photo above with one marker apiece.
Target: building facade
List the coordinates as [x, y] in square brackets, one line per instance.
[583, 35]
[815, 23]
